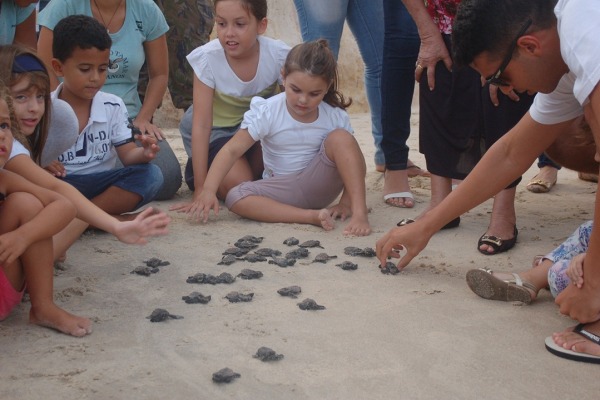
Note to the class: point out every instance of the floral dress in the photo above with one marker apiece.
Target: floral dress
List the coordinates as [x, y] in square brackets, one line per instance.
[443, 12]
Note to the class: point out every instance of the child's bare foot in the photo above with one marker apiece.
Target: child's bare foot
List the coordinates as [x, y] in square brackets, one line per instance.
[325, 219]
[358, 226]
[341, 211]
[51, 316]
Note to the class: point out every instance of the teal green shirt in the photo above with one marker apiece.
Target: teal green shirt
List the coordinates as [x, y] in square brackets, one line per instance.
[10, 17]
[144, 22]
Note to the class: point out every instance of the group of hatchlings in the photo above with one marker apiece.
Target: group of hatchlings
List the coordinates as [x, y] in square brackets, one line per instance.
[241, 252]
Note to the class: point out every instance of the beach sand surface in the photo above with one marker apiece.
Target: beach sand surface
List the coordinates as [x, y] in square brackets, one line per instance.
[421, 334]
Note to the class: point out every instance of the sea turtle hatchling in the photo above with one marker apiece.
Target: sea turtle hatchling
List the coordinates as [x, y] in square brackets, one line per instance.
[311, 243]
[235, 251]
[291, 241]
[352, 251]
[225, 375]
[160, 314]
[283, 262]
[368, 252]
[156, 262]
[267, 354]
[245, 244]
[196, 298]
[250, 274]
[300, 252]
[237, 297]
[227, 260]
[266, 252]
[355, 251]
[323, 258]
[290, 291]
[224, 277]
[347, 266]
[253, 258]
[251, 238]
[145, 271]
[389, 268]
[310, 304]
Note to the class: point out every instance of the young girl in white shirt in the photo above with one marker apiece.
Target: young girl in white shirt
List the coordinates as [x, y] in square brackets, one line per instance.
[309, 152]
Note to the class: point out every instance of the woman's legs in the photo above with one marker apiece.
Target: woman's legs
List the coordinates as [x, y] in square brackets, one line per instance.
[364, 19]
[322, 20]
[400, 49]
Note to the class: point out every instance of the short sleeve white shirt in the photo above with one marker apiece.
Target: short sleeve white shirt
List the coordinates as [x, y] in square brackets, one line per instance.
[18, 149]
[578, 30]
[289, 145]
[232, 95]
[106, 129]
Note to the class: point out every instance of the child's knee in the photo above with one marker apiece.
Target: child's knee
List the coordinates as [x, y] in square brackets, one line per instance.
[153, 181]
[339, 136]
[20, 207]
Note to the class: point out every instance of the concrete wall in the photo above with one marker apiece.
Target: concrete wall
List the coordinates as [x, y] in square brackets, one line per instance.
[283, 24]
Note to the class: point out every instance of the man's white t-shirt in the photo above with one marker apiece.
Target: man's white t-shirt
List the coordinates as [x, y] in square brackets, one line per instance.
[578, 30]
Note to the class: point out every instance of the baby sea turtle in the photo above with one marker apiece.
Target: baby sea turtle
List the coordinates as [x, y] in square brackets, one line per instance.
[156, 262]
[196, 298]
[368, 252]
[347, 265]
[310, 304]
[290, 291]
[311, 243]
[250, 274]
[245, 244]
[210, 279]
[283, 262]
[160, 314]
[323, 258]
[352, 251]
[355, 251]
[251, 238]
[267, 354]
[291, 241]
[237, 297]
[225, 375]
[227, 260]
[390, 268]
[266, 252]
[236, 251]
[298, 253]
[145, 271]
[253, 258]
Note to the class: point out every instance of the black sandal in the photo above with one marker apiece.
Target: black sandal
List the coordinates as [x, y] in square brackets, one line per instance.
[499, 245]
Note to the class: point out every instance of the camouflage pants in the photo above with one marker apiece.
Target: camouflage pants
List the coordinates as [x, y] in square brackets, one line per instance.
[191, 23]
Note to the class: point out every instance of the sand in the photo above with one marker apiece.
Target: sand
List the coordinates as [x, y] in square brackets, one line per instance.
[421, 334]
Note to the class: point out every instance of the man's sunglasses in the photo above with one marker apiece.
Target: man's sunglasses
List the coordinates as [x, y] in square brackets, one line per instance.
[495, 79]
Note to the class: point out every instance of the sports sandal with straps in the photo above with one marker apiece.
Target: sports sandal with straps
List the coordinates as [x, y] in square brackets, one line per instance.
[484, 284]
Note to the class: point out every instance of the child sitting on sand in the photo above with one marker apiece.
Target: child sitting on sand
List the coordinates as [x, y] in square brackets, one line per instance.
[556, 270]
[228, 72]
[81, 49]
[309, 154]
[29, 216]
